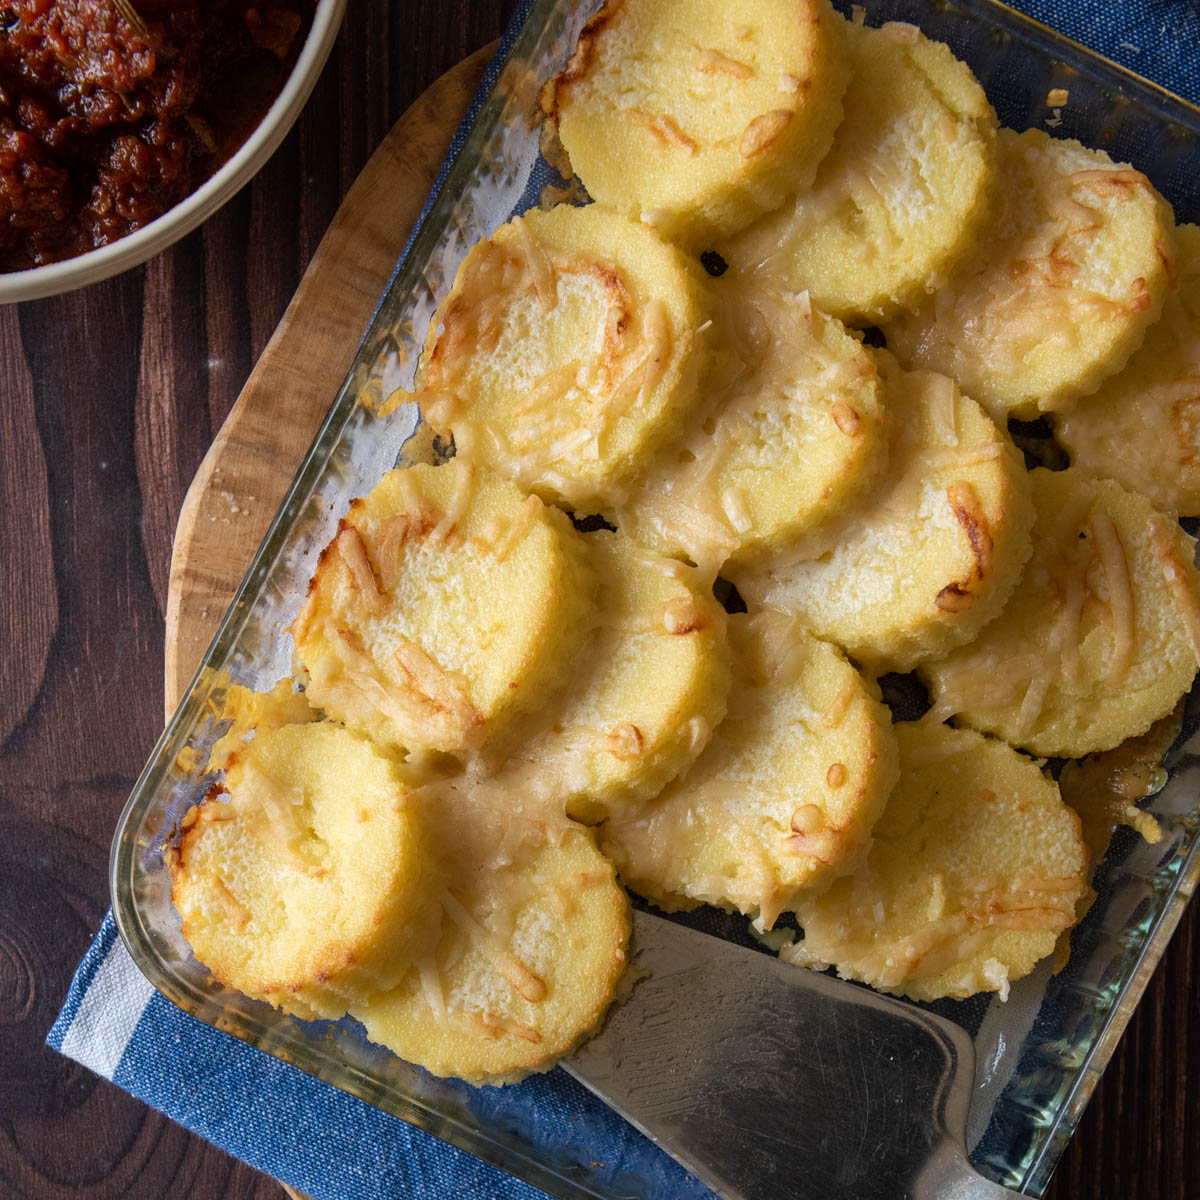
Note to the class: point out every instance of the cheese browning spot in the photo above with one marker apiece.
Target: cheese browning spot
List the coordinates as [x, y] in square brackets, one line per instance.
[663, 129]
[354, 554]
[1120, 596]
[832, 717]
[845, 418]
[968, 511]
[964, 501]
[808, 818]
[681, 616]
[764, 131]
[712, 62]
[625, 741]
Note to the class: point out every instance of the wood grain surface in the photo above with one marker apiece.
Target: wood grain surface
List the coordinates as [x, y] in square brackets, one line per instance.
[109, 400]
[249, 466]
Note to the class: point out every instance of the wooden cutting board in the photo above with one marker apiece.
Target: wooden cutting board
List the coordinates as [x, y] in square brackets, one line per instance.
[252, 460]
[249, 466]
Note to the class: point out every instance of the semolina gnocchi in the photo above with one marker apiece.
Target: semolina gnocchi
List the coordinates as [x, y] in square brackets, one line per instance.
[428, 613]
[792, 440]
[1142, 428]
[525, 958]
[973, 873]
[1060, 293]
[935, 551]
[572, 343]
[1100, 638]
[292, 886]
[643, 698]
[698, 116]
[900, 198]
[785, 794]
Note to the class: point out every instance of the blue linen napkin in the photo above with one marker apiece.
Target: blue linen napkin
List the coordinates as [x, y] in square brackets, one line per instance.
[316, 1137]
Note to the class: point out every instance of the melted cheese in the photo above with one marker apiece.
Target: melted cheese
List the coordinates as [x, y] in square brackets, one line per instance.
[790, 432]
[1120, 597]
[1184, 596]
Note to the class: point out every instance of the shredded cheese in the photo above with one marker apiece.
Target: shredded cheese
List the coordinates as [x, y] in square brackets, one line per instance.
[712, 62]
[514, 972]
[353, 553]
[517, 529]
[1185, 599]
[460, 501]
[663, 129]
[1120, 596]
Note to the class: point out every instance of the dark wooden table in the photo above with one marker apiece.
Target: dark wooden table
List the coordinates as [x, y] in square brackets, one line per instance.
[108, 400]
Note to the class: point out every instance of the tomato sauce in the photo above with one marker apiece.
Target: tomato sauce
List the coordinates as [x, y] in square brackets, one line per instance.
[111, 111]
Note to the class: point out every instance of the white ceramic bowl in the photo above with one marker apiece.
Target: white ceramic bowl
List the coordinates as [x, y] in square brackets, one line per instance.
[181, 219]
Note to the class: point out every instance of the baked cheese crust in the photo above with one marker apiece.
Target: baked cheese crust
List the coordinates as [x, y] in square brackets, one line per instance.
[1100, 638]
[903, 194]
[973, 874]
[572, 343]
[444, 605]
[697, 117]
[1075, 270]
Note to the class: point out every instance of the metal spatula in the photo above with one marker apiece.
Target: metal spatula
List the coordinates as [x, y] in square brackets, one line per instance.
[770, 1082]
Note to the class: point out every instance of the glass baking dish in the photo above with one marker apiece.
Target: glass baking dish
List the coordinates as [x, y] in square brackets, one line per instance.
[1039, 1054]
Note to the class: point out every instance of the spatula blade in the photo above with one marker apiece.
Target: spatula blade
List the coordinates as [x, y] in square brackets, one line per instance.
[770, 1082]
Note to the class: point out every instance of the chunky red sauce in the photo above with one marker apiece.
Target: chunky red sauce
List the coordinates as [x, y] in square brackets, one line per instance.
[111, 111]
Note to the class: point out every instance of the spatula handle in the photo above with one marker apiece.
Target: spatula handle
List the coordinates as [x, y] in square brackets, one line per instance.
[949, 1176]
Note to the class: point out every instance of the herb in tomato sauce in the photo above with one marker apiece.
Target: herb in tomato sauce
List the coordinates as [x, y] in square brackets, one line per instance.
[111, 111]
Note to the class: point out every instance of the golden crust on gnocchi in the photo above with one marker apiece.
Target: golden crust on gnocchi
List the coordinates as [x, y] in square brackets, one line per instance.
[698, 117]
[1100, 638]
[429, 617]
[1060, 294]
[300, 878]
[572, 343]
[973, 873]
[785, 794]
